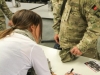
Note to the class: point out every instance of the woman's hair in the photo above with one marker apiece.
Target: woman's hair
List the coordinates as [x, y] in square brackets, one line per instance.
[23, 19]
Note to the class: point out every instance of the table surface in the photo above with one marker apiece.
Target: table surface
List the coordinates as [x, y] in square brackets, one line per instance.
[61, 68]
[23, 6]
[44, 12]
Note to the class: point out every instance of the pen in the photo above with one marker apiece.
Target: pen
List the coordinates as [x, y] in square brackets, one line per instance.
[71, 70]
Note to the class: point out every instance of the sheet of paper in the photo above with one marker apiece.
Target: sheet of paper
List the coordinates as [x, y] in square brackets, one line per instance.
[94, 65]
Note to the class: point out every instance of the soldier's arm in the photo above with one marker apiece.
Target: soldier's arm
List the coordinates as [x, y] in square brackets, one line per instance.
[92, 15]
[56, 12]
[6, 10]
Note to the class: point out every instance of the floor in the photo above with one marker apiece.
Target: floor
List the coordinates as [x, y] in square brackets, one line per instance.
[48, 44]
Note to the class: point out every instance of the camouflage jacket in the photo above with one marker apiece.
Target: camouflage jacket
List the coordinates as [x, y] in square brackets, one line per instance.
[4, 9]
[80, 23]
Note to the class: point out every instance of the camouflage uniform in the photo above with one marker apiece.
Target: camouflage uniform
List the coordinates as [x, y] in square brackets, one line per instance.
[79, 26]
[4, 10]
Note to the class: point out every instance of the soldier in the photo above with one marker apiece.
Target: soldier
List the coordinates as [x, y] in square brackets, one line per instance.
[77, 29]
[4, 10]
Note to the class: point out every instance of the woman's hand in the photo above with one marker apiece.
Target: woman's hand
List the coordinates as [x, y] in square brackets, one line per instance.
[69, 74]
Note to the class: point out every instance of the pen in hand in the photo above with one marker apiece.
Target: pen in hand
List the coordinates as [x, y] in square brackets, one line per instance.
[71, 70]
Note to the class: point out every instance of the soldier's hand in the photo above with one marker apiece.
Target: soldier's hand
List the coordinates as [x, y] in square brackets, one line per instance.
[75, 51]
[10, 23]
[56, 38]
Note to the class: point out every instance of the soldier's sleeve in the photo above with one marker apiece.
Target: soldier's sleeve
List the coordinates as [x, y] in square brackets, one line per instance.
[6, 10]
[56, 12]
[92, 15]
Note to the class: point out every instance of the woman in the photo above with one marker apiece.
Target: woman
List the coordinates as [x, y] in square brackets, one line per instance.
[18, 49]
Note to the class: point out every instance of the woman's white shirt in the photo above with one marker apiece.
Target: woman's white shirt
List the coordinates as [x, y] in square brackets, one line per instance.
[18, 53]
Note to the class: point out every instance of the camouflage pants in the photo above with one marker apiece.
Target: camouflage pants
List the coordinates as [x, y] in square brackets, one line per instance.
[2, 25]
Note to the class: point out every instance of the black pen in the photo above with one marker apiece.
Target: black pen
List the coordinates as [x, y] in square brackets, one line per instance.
[71, 70]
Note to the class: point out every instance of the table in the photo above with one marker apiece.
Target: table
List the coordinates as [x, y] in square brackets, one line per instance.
[44, 12]
[61, 68]
[23, 6]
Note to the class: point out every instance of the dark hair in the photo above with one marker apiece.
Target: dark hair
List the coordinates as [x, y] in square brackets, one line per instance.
[23, 19]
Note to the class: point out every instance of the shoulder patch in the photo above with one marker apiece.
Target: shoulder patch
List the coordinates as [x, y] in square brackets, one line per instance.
[94, 7]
